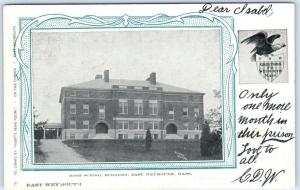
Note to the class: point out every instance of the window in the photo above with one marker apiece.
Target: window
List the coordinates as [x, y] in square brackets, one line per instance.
[119, 125]
[186, 125]
[135, 125]
[85, 135]
[72, 108]
[101, 111]
[196, 99]
[72, 93]
[120, 136]
[138, 87]
[123, 106]
[72, 135]
[155, 125]
[138, 136]
[185, 111]
[123, 124]
[197, 136]
[84, 93]
[141, 125]
[72, 124]
[171, 112]
[196, 112]
[155, 136]
[153, 106]
[138, 125]
[85, 124]
[152, 88]
[123, 136]
[138, 107]
[122, 86]
[86, 109]
[185, 98]
[185, 136]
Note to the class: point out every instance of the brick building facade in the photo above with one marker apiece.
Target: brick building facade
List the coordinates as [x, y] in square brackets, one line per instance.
[106, 108]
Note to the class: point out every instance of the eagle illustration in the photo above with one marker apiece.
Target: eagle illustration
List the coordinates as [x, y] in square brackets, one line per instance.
[263, 44]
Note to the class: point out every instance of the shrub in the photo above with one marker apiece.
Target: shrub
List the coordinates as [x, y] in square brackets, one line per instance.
[148, 140]
[38, 133]
[204, 141]
[210, 142]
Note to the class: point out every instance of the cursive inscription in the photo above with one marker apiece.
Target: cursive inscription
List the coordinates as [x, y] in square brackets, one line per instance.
[259, 175]
[262, 122]
[248, 9]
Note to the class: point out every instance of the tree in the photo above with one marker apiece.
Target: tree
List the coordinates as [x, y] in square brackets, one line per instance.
[204, 141]
[148, 140]
[216, 143]
[211, 142]
[38, 133]
[38, 125]
[214, 115]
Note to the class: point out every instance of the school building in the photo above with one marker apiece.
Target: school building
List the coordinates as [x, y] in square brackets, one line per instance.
[105, 108]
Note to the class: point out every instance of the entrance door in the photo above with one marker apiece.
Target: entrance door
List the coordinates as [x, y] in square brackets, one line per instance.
[171, 129]
[101, 128]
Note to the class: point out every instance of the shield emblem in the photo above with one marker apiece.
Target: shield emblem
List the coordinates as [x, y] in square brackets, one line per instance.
[270, 66]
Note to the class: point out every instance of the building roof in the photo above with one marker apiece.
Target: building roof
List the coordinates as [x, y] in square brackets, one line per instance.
[101, 84]
[53, 125]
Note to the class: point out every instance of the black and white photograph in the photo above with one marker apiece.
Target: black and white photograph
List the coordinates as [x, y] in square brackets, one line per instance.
[126, 95]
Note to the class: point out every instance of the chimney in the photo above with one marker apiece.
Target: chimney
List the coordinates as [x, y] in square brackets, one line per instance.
[152, 78]
[98, 77]
[106, 76]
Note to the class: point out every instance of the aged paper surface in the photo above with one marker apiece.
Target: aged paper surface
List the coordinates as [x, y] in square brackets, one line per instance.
[145, 96]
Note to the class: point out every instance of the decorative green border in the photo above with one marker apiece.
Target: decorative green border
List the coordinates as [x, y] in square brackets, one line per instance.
[228, 47]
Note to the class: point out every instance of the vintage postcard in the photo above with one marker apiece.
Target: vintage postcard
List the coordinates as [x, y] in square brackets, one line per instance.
[149, 96]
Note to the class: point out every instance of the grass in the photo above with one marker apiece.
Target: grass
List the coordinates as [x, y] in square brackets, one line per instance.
[134, 150]
[39, 155]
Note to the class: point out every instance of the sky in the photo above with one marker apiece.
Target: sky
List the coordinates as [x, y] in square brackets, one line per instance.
[184, 58]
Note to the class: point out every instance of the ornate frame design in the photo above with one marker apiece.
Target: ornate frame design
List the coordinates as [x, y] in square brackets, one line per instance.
[228, 47]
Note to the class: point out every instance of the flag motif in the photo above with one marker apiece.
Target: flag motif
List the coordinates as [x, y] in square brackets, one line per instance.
[270, 66]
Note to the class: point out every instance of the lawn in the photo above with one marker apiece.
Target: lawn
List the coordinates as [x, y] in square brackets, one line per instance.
[134, 150]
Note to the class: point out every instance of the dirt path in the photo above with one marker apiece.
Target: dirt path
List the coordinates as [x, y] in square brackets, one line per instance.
[57, 152]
